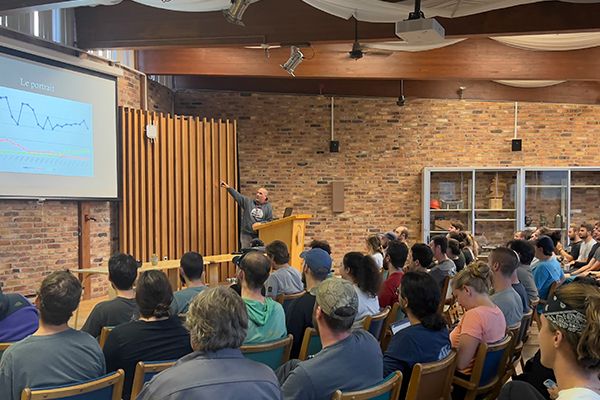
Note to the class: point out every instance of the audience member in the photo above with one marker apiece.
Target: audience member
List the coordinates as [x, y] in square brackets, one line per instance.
[587, 241]
[569, 344]
[217, 369]
[18, 317]
[426, 339]
[375, 250]
[266, 319]
[456, 226]
[395, 258]
[593, 260]
[526, 251]
[256, 242]
[504, 262]
[444, 266]
[571, 253]
[55, 354]
[519, 235]
[350, 360]
[299, 314]
[422, 258]
[156, 336]
[402, 233]
[192, 273]
[321, 244]
[455, 254]
[547, 270]
[122, 271]
[363, 273]
[483, 321]
[386, 238]
[466, 248]
[284, 279]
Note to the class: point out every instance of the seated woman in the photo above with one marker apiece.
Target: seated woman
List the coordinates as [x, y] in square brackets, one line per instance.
[483, 321]
[364, 274]
[156, 336]
[426, 339]
[18, 317]
[375, 250]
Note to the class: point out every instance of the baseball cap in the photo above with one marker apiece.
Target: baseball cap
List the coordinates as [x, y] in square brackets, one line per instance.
[390, 235]
[337, 298]
[545, 243]
[317, 260]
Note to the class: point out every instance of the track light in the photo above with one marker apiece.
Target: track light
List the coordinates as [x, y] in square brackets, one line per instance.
[235, 12]
[292, 63]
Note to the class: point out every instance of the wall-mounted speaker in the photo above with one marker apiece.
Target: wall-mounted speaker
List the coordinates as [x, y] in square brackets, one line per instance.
[517, 144]
[334, 146]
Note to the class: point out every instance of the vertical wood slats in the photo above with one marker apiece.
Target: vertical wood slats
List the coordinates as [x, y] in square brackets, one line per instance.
[171, 199]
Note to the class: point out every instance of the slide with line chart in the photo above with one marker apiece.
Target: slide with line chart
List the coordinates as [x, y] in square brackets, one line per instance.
[42, 134]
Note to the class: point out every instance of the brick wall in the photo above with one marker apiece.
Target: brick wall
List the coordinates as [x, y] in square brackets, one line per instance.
[283, 145]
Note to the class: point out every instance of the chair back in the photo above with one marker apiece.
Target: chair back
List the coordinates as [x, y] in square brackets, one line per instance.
[443, 294]
[107, 387]
[525, 324]
[432, 381]
[375, 323]
[144, 371]
[490, 362]
[104, 335]
[311, 344]
[3, 347]
[286, 299]
[396, 314]
[389, 389]
[274, 354]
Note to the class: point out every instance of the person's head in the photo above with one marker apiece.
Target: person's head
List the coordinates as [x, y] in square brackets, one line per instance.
[192, 266]
[456, 226]
[254, 268]
[278, 252]
[317, 263]
[453, 249]
[541, 231]
[585, 230]
[519, 235]
[363, 271]
[422, 255]
[374, 244]
[122, 271]
[256, 242]
[470, 283]
[320, 244]
[439, 245]
[596, 231]
[58, 297]
[402, 233]
[262, 195]
[524, 249]
[217, 319]
[153, 294]
[396, 254]
[544, 247]
[570, 328]
[503, 262]
[572, 233]
[420, 296]
[336, 305]
[461, 237]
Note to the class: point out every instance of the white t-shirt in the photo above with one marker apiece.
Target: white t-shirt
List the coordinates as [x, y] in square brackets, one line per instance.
[367, 304]
[378, 257]
[584, 250]
[578, 394]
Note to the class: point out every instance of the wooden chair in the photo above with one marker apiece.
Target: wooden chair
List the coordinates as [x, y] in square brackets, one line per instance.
[311, 344]
[286, 299]
[488, 369]
[3, 347]
[104, 335]
[107, 387]
[274, 354]
[144, 371]
[395, 315]
[542, 302]
[375, 323]
[443, 299]
[389, 389]
[523, 334]
[432, 381]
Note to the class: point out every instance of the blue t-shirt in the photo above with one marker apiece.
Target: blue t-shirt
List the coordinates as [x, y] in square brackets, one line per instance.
[545, 273]
[415, 344]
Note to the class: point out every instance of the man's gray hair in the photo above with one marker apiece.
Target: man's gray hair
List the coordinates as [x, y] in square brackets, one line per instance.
[217, 319]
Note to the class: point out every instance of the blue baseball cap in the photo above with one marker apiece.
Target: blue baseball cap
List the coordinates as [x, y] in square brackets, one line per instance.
[317, 260]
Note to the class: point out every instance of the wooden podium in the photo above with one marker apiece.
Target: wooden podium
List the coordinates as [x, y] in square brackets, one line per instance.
[289, 230]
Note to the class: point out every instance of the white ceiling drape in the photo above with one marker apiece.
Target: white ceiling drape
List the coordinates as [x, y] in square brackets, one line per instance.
[187, 5]
[529, 84]
[403, 46]
[552, 42]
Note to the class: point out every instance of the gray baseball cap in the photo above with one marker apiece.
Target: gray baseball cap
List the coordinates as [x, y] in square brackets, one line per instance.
[337, 298]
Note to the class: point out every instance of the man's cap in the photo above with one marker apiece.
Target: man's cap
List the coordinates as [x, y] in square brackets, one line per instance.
[318, 260]
[545, 243]
[390, 235]
[337, 298]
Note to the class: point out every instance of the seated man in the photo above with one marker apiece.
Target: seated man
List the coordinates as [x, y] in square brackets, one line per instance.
[122, 271]
[266, 319]
[394, 260]
[192, 272]
[350, 360]
[547, 270]
[444, 266]
[55, 354]
[526, 251]
[299, 314]
[218, 322]
[18, 317]
[422, 258]
[504, 262]
[285, 279]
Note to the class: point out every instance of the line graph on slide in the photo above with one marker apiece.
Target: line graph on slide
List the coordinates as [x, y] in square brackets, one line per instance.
[42, 134]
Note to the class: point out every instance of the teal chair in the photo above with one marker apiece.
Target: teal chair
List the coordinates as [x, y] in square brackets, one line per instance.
[311, 344]
[389, 389]
[145, 371]
[107, 387]
[274, 354]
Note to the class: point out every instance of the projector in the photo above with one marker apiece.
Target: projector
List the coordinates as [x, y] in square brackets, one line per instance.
[420, 31]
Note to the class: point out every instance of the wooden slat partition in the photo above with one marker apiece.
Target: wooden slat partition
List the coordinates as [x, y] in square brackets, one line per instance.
[172, 202]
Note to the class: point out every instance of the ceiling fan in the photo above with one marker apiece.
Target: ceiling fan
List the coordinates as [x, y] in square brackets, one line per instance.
[265, 47]
[358, 50]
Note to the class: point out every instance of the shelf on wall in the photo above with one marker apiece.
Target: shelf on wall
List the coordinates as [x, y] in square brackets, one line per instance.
[450, 210]
[494, 219]
[585, 186]
[495, 209]
[547, 186]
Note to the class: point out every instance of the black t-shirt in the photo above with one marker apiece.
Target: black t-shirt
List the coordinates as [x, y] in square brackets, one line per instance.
[110, 313]
[467, 255]
[574, 251]
[298, 317]
[459, 262]
[137, 341]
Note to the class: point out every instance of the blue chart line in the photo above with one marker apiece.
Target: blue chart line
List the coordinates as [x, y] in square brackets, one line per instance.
[42, 134]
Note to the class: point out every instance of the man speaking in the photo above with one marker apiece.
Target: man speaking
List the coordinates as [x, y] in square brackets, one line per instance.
[255, 210]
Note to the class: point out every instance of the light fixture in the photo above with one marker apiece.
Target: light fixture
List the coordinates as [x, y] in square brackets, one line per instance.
[292, 63]
[236, 10]
[401, 99]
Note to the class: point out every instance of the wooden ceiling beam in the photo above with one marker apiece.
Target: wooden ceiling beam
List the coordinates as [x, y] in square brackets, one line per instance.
[473, 59]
